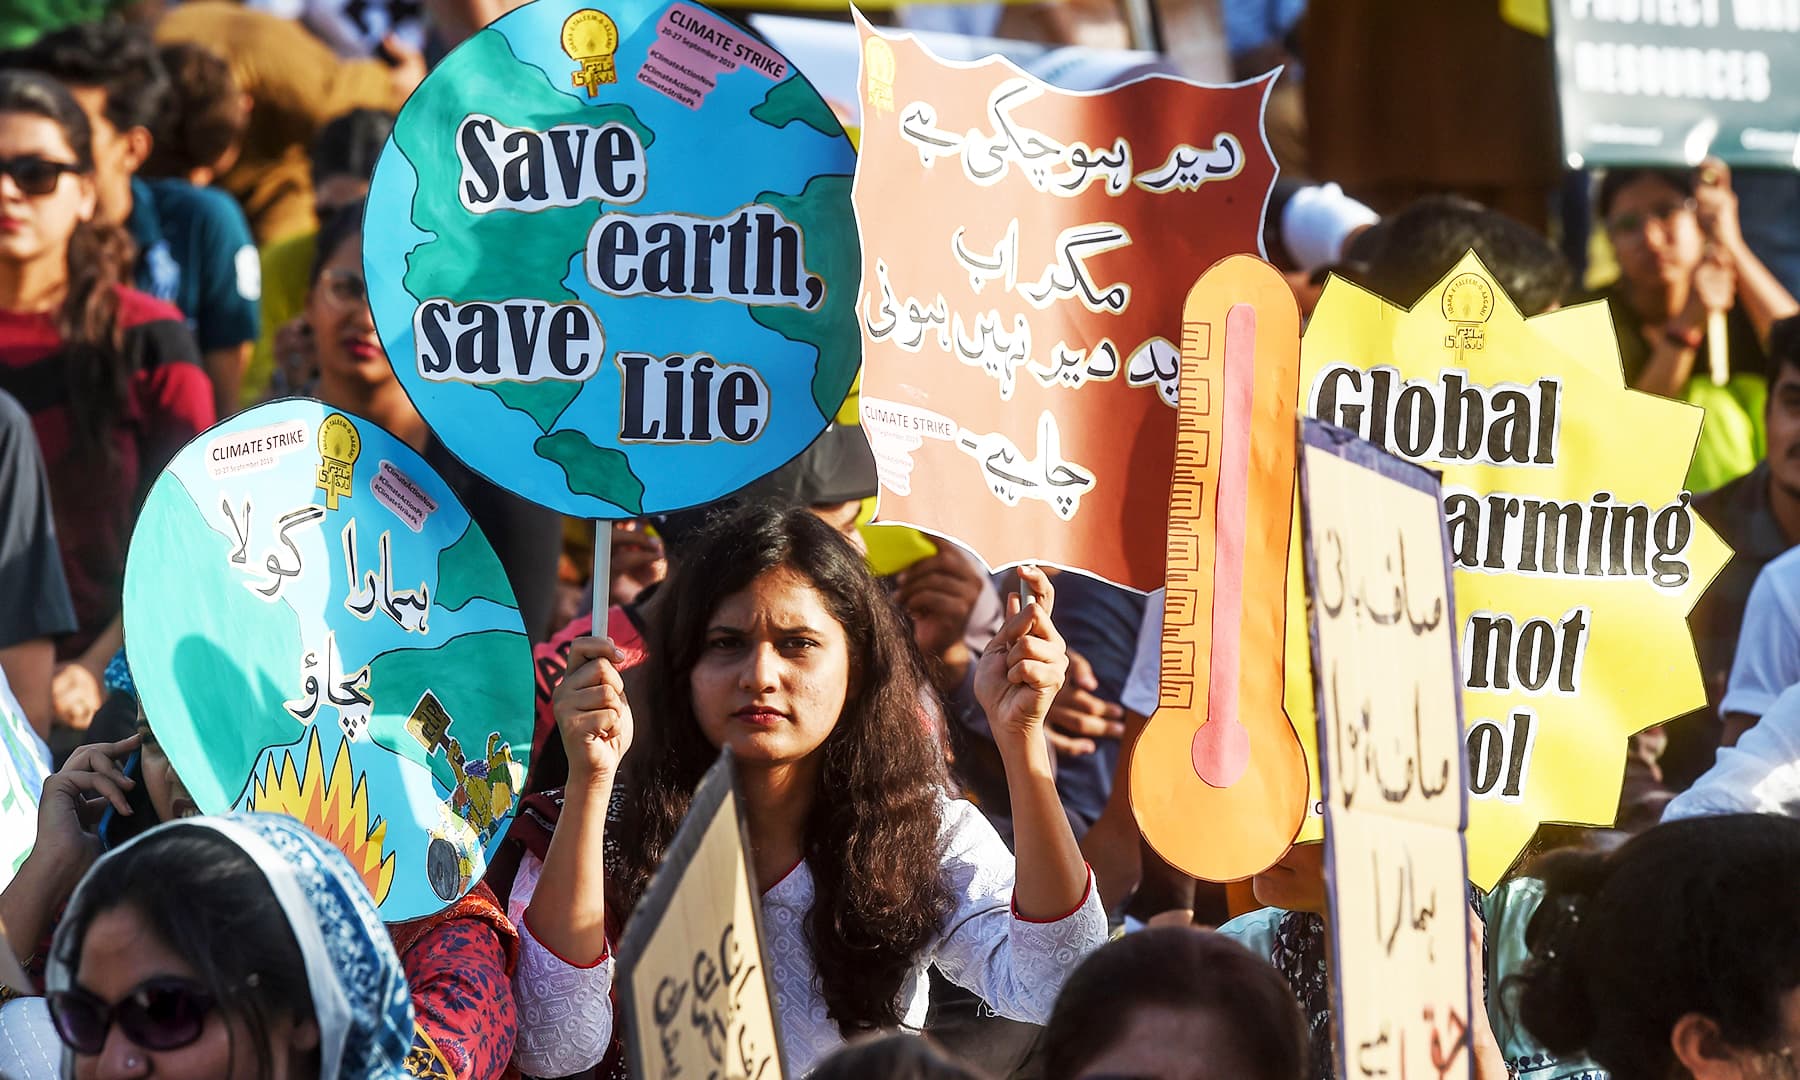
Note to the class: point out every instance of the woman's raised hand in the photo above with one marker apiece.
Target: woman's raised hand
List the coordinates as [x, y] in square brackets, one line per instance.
[1025, 665]
[592, 713]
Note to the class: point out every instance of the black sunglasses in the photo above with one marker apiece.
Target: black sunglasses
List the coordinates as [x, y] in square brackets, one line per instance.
[36, 175]
[164, 1013]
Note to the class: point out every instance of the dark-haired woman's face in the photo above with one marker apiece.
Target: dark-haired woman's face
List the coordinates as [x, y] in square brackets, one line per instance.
[1655, 232]
[119, 954]
[343, 329]
[774, 673]
[38, 226]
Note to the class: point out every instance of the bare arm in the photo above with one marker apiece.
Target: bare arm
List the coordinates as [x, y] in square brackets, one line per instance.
[1016, 681]
[1764, 299]
[568, 910]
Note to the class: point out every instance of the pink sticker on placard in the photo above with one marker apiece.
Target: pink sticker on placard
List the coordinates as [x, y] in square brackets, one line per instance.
[693, 49]
[396, 491]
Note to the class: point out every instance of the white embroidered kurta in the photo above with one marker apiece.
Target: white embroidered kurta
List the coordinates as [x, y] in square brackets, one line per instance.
[1015, 965]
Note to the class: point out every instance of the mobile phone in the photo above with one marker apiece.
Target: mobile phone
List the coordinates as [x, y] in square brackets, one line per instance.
[116, 828]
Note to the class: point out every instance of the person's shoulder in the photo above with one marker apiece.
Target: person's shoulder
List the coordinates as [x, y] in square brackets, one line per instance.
[1783, 574]
[1717, 505]
[140, 309]
[1256, 930]
[184, 205]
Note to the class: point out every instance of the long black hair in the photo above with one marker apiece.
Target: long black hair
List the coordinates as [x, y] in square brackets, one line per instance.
[1695, 916]
[873, 839]
[94, 360]
[203, 898]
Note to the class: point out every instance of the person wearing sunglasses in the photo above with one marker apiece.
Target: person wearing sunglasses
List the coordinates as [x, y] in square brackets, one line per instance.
[227, 948]
[354, 375]
[458, 963]
[110, 376]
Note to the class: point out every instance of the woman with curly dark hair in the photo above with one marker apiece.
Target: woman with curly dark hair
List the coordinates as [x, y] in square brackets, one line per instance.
[776, 641]
[1678, 955]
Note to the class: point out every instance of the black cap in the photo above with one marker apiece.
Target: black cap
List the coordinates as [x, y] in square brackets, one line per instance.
[837, 468]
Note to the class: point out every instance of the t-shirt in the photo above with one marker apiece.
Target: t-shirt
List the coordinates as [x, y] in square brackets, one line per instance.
[1733, 437]
[1760, 775]
[195, 251]
[1143, 685]
[169, 401]
[1768, 651]
[34, 596]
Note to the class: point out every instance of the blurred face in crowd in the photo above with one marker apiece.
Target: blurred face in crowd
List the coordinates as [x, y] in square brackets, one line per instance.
[1296, 883]
[1784, 429]
[774, 673]
[122, 957]
[167, 794]
[842, 517]
[117, 155]
[1706, 1054]
[1655, 232]
[333, 193]
[36, 223]
[343, 329]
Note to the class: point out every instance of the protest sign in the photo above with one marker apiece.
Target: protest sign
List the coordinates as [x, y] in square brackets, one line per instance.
[1383, 622]
[317, 628]
[1577, 554]
[693, 989]
[1219, 749]
[610, 255]
[1646, 83]
[1025, 255]
[24, 766]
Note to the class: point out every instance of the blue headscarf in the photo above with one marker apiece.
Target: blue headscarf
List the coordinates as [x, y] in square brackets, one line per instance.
[359, 993]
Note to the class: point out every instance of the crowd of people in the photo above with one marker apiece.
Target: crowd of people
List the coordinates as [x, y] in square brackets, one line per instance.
[931, 762]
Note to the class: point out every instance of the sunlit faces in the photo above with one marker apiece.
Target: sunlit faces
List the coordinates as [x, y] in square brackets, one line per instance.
[117, 155]
[842, 517]
[774, 673]
[168, 796]
[343, 329]
[1296, 883]
[1654, 231]
[36, 227]
[118, 954]
[1784, 429]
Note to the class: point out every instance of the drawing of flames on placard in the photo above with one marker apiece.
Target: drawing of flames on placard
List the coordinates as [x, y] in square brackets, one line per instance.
[1576, 552]
[335, 806]
[1025, 255]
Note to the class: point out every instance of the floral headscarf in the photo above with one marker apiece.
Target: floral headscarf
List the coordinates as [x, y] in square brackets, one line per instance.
[359, 992]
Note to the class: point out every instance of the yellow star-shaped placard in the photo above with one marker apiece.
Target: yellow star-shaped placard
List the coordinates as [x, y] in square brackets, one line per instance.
[1577, 555]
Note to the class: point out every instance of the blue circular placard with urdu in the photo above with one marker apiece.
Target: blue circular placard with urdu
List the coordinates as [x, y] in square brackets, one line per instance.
[317, 628]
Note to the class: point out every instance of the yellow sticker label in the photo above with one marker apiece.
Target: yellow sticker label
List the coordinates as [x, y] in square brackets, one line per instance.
[339, 445]
[590, 38]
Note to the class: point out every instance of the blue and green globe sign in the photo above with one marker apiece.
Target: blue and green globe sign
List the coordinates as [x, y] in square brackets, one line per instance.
[612, 257]
[317, 628]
